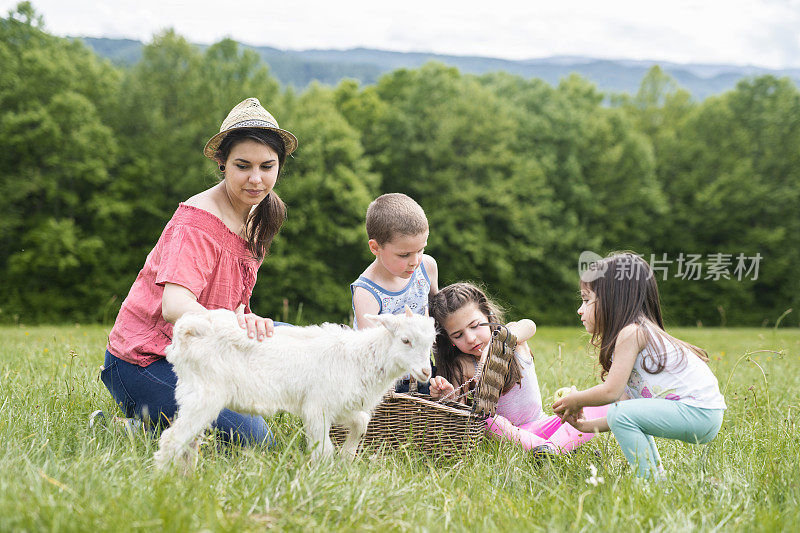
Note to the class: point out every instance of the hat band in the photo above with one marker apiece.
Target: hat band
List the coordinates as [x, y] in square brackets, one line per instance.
[252, 124]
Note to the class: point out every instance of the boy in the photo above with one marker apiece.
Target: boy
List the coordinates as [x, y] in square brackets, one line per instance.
[401, 273]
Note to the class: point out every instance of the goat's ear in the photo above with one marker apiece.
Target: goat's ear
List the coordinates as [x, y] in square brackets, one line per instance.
[407, 310]
[194, 325]
[387, 321]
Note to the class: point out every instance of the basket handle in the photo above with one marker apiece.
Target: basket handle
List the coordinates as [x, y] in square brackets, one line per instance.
[495, 370]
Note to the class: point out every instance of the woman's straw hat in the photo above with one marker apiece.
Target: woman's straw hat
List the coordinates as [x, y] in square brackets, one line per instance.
[249, 114]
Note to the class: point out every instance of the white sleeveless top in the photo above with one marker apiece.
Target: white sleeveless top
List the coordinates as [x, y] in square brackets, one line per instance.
[522, 404]
[689, 381]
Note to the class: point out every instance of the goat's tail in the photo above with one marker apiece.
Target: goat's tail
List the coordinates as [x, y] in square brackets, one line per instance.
[187, 326]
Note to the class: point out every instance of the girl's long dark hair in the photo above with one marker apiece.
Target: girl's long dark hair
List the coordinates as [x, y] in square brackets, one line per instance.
[267, 218]
[627, 293]
[443, 304]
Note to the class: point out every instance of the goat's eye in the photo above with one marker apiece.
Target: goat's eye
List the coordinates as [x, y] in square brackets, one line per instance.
[405, 341]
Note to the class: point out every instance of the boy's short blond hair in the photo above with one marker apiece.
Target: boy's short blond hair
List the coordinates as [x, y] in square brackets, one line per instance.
[393, 214]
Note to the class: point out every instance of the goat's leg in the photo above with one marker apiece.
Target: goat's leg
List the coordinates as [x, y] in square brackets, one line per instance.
[176, 442]
[317, 428]
[356, 427]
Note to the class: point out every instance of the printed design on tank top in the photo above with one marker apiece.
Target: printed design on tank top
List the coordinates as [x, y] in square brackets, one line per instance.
[414, 294]
[641, 389]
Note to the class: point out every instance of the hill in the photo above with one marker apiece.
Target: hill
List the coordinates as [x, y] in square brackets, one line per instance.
[301, 67]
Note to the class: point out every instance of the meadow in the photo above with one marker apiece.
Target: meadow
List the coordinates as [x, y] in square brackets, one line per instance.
[57, 474]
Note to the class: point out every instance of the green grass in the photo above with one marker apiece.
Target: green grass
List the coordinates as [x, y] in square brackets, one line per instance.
[56, 474]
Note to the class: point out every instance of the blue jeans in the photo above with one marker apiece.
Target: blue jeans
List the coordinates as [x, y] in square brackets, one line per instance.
[148, 393]
[635, 423]
[404, 384]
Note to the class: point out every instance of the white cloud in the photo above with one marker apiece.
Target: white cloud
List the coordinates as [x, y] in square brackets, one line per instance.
[763, 32]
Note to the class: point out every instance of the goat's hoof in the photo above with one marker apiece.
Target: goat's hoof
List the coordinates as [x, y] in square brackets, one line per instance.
[348, 454]
[185, 462]
[161, 461]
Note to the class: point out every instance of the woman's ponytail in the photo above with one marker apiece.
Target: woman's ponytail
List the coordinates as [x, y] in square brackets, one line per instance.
[264, 223]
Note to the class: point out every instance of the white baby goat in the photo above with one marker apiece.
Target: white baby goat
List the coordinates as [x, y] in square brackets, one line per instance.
[323, 374]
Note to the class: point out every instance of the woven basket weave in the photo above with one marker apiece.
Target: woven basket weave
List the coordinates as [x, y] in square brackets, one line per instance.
[439, 428]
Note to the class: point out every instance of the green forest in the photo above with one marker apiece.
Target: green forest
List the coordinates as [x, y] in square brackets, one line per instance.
[517, 177]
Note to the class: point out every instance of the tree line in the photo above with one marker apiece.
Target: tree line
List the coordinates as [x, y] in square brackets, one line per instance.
[517, 177]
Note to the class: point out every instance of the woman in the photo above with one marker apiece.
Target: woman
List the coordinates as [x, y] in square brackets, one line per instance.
[206, 258]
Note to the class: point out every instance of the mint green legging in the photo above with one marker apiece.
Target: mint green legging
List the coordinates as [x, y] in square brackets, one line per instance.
[635, 423]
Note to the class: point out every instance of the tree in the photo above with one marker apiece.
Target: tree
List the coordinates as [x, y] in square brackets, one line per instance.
[55, 165]
[732, 188]
[170, 104]
[327, 188]
[445, 140]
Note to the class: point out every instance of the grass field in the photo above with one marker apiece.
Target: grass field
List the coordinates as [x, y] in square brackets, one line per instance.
[56, 474]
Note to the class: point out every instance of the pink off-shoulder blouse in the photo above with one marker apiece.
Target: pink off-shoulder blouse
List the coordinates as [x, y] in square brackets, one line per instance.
[196, 250]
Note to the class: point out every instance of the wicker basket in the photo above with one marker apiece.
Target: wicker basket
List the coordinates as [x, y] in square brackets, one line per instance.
[437, 428]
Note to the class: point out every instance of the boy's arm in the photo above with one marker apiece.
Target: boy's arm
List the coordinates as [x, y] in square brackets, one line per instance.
[364, 303]
[433, 272]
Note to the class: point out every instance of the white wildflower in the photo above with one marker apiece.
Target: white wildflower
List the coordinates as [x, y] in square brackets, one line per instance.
[594, 479]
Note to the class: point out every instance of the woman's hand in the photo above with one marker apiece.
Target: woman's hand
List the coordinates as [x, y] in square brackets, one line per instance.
[257, 327]
[440, 387]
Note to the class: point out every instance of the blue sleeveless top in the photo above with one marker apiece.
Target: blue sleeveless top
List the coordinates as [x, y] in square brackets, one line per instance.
[414, 294]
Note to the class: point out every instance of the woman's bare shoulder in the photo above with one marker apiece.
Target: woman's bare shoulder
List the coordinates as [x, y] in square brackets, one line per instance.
[206, 201]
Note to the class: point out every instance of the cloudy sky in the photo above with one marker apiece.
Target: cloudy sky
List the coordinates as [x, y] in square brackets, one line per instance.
[744, 32]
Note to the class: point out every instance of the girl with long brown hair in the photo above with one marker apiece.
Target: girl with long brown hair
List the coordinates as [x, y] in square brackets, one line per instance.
[465, 318]
[669, 389]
